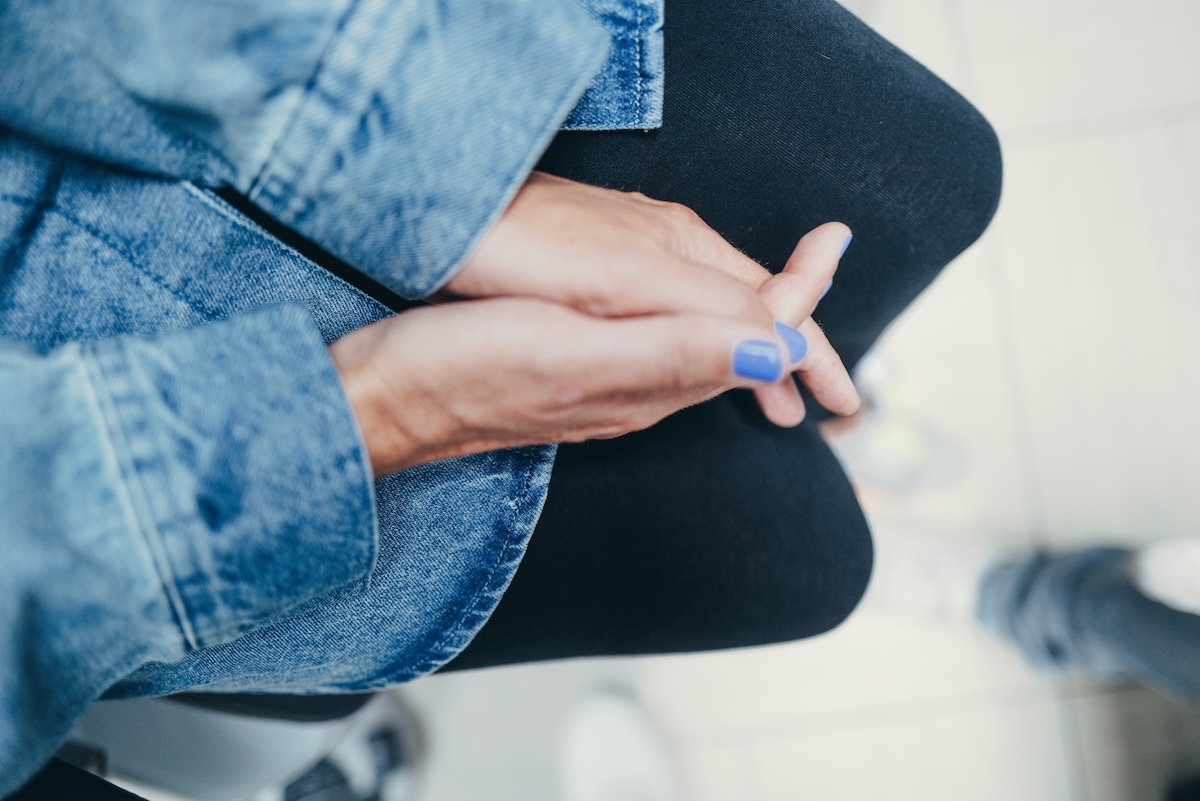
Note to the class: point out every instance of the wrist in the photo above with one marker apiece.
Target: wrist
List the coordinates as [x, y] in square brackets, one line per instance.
[389, 448]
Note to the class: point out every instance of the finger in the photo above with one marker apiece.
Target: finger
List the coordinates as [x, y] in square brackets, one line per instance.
[693, 355]
[793, 294]
[639, 284]
[697, 243]
[601, 253]
[781, 403]
[824, 374]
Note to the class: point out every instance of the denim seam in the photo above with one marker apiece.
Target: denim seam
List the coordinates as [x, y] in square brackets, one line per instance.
[515, 180]
[137, 507]
[637, 113]
[286, 188]
[442, 650]
[131, 259]
[41, 206]
[294, 116]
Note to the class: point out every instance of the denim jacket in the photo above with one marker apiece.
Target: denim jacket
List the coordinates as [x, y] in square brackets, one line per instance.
[185, 501]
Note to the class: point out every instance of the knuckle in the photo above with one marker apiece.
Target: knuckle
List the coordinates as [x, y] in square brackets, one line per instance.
[673, 365]
[645, 419]
[682, 214]
[816, 362]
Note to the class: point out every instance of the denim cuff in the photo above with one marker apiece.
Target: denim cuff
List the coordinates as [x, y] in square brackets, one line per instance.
[246, 468]
[627, 92]
[419, 127]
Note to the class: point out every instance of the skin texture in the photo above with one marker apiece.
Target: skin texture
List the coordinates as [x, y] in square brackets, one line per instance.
[585, 313]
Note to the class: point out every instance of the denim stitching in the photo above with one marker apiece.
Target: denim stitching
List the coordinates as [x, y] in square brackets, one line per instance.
[638, 65]
[440, 651]
[309, 85]
[119, 249]
[436, 655]
[110, 422]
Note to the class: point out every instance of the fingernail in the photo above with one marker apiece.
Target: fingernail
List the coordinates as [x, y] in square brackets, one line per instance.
[759, 360]
[828, 287]
[845, 245]
[797, 345]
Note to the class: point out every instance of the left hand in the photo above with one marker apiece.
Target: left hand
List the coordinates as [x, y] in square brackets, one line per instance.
[792, 296]
[619, 254]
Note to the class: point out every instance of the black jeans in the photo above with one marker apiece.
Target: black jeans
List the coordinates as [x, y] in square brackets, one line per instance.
[714, 529]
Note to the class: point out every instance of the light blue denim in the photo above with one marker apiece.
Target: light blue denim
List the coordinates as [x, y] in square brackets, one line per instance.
[184, 498]
[1081, 610]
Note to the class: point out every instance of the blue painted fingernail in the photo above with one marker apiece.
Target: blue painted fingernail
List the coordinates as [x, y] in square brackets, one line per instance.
[828, 287]
[758, 359]
[845, 245]
[797, 345]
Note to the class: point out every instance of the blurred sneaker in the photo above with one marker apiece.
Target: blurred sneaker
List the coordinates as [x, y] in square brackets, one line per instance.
[612, 750]
[927, 576]
[1169, 572]
[886, 446]
[378, 759]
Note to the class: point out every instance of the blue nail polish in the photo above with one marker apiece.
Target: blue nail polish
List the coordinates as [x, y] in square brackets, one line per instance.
[828, 287]
[758, 359]
[797, 345]
[845, 245]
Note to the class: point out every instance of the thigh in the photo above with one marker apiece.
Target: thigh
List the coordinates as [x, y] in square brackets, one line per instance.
[715, 529]
[711, 530]
[780, 115]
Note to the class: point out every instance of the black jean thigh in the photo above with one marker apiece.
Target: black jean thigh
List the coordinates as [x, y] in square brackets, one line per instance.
[780, 115]
[715, 529]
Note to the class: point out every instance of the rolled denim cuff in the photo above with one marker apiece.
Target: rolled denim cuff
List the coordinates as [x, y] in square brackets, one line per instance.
[627, 92]
[246, 469]
[418, 128]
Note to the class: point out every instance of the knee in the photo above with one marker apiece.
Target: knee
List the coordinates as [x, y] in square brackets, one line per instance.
[972, 174]
[808, 589]
[947, 191]
[839, 580]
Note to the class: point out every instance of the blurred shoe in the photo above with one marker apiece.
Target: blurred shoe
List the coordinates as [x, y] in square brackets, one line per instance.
[378, 759]
[1169, 572]
[612, 750]
[885, 446]
[928, 577]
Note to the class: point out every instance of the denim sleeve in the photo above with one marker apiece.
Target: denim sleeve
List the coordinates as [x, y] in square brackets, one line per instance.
[161, 495]
[391, 133]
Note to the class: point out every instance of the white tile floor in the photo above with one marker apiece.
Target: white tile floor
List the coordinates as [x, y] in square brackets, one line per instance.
[1070, 385]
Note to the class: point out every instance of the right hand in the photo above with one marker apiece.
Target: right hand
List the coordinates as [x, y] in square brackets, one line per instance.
[474, 376]
[621, 254]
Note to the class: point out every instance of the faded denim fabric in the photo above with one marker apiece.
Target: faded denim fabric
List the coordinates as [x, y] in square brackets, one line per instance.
[392, 134]
[184, 498]
[627, 93]
[161, 496]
